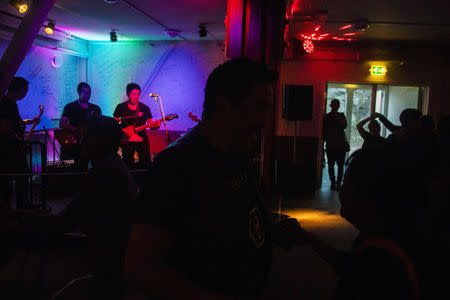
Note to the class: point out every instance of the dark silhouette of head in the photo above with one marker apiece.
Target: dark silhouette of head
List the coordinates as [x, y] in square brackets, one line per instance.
[382, 190]
[18, 88]
[84, 91]
[374, 128]
[234, 81]
[102, 137]
[335, 104]
[410, 118]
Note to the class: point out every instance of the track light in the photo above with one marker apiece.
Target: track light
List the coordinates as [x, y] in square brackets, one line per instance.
[21, 6]
[202, 32]
[172, 32]
[49, 28]
[113, 36]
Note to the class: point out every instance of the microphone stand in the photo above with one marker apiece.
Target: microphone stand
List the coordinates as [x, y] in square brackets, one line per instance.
[163, 117]
[47, 138]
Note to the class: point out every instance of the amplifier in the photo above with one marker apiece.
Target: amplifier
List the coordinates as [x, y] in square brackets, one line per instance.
[61, 163]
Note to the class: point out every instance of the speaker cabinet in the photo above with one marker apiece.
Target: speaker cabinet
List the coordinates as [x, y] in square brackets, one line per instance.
[298, 102]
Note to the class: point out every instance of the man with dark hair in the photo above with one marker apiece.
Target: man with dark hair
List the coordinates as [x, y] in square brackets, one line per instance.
[202, 231]
[74, 118]
[134, 113]
[12, 129]
[334, 124]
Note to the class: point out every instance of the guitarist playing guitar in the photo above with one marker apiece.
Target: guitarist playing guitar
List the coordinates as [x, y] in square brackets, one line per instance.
[134, 113]
[12, 129]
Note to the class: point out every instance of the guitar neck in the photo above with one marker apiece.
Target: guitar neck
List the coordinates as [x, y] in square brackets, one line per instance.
[32, 128]
[143, 127]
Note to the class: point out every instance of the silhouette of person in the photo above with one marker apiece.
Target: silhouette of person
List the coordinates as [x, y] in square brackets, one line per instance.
[372, 137]
[380, 196]
[202, 230]
[134, 113]
[334, 124]
[13, 151]
[73, 119]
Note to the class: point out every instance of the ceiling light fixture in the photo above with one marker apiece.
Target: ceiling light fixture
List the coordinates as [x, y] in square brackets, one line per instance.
[308, 46]
[113, 36]
[49, 28]
[21, 6]
[172, 32]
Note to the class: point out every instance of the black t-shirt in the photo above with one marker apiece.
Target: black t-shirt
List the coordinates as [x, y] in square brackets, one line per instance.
[79, 115]
[210, 203]
[10, 111]
[136, 117]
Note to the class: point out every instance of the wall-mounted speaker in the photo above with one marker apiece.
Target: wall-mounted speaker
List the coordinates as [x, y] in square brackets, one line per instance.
[298, 102]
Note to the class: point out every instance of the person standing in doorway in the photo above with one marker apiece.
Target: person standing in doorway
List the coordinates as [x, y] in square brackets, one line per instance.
[334, 125]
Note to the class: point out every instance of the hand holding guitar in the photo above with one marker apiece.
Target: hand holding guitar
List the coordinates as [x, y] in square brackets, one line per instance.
[34, 121]
[193, 117]
[131, 131]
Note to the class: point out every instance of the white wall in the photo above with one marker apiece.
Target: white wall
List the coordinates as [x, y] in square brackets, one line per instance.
[50, 86]
[176, 71]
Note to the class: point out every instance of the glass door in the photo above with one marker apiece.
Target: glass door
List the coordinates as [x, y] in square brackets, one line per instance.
[356, 102]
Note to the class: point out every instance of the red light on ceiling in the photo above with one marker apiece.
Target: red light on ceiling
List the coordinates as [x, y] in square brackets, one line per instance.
[349, 40]
[345, 27]
[351, 33]
[317, 28]
[308, 46]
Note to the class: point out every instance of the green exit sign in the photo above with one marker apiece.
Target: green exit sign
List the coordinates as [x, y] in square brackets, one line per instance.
[378, 70]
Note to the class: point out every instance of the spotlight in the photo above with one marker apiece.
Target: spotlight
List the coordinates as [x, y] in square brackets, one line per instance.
[21, 6]
[308, 46]
[172, 32]
[49, 28]
[202, 31]
[113, 36]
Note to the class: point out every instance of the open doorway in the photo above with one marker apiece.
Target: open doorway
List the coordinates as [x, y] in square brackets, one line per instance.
[359, 101]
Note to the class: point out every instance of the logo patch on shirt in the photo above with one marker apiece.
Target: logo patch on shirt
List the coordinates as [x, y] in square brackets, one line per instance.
[140, 114]
[255, 227]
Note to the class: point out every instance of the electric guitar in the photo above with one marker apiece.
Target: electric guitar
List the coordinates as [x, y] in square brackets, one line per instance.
[41, 108]
[193, 117]
[131, 132]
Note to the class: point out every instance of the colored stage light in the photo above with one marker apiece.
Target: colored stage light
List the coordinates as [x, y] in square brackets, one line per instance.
[351, 33]
[49, 28]
[308, 46]
[345, 27]
[21, 6]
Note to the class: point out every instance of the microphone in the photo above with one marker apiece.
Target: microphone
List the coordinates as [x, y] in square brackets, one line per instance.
[153, 95]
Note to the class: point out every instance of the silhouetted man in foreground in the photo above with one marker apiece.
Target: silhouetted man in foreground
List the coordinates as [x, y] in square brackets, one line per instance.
[202, 230]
